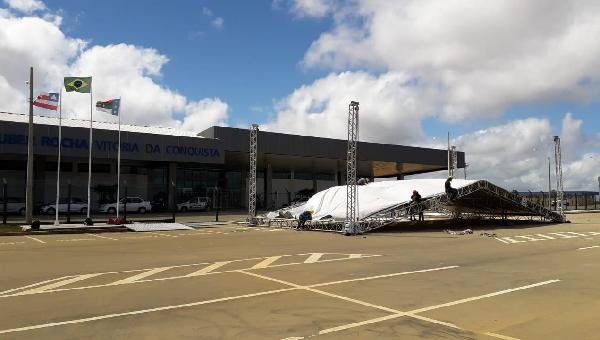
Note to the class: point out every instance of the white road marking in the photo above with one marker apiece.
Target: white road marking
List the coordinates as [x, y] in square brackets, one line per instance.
[35, 239]
[543, 237]
[142, 311]
[208, 269]
[562, 235]
[266, 262]
[104, 237]
[500, 336]
[140, 276]
[54, 285]
[33, 285]
[363, 303]
[314, 258]
[511, 240]
[348, 299]
[293, 287]
[383, 276]
[412, 313]
[11, 243]
[531, 238]
[76, 240]
[161, 234]
[584, 248]
[142, 236]
[574, 233]
[474, 298]
[358, 324]
[424, 318]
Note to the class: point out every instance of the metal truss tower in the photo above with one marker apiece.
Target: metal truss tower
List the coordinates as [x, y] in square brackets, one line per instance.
[351, 225]
[252, 178]
[454, 158]
[559, 179]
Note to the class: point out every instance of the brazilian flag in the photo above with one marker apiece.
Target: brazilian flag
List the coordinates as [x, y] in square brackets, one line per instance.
[78, 84]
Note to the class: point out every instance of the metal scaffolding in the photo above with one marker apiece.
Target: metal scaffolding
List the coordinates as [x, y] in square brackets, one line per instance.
[559, 179]
[454, 158]
[252, 175]
[480, 200]
[351, 225]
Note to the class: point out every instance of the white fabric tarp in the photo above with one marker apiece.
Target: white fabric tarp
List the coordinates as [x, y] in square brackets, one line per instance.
[372, 197]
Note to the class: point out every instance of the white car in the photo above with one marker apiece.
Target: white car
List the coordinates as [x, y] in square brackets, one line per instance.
[194, 203]
[13, 205]
[134, 204]
[77, 205]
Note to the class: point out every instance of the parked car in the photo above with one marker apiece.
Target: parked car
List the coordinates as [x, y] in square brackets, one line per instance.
[13, 205]
[77, 205]
[134, 204]
[194, 203]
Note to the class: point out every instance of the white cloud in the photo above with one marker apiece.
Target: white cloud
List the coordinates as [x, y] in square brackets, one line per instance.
[206, 11]
[455, 61]
[217, 22]
[515, 155]
[484, 56]
[512, 155]
[583, 173]
[127, 71]
[312, 8]
[50, 57]
[26, 6]
[205, 113]
[390, 112]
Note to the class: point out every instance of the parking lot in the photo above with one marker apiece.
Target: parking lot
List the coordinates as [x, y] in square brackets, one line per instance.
[527, 282]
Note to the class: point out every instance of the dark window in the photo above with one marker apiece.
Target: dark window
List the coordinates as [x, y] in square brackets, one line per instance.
[13, 165]
[281, 175]
[303, 175]
[64, 166]
[325, 177]
[133, 170]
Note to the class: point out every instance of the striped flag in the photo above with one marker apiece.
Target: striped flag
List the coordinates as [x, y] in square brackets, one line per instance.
[47, 101]
[109, 106]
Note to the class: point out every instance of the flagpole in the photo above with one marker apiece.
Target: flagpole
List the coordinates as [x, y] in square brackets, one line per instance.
[89, 205]
[119, 159]
[58, 163]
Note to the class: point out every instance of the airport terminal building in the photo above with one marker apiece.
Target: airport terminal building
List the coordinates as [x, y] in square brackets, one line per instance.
[166, 164]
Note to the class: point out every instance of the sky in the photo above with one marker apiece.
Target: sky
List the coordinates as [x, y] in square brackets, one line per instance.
[502, 77]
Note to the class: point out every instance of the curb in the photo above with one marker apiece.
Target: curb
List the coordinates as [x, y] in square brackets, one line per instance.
[115, 229]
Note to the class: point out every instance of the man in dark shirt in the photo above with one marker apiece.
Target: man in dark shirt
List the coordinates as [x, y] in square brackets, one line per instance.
[450, 191]
[303, 218]
[416, 198]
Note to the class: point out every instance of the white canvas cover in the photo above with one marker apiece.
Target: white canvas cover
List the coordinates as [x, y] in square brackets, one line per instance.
[372, 197]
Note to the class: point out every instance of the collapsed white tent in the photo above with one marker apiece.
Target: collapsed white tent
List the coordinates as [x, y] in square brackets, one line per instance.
[372, 197]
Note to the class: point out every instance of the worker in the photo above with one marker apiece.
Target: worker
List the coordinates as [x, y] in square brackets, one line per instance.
[416, 199]
[305, 216]
[450, 191]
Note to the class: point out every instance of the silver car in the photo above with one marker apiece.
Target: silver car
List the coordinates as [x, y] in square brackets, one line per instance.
[134, 204]
[77, 205]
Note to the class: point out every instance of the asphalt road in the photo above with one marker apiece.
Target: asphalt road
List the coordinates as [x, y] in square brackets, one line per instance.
[528, 282]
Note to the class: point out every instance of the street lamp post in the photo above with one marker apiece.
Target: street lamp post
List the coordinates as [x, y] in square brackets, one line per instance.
[598, 191]
[549, 187]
